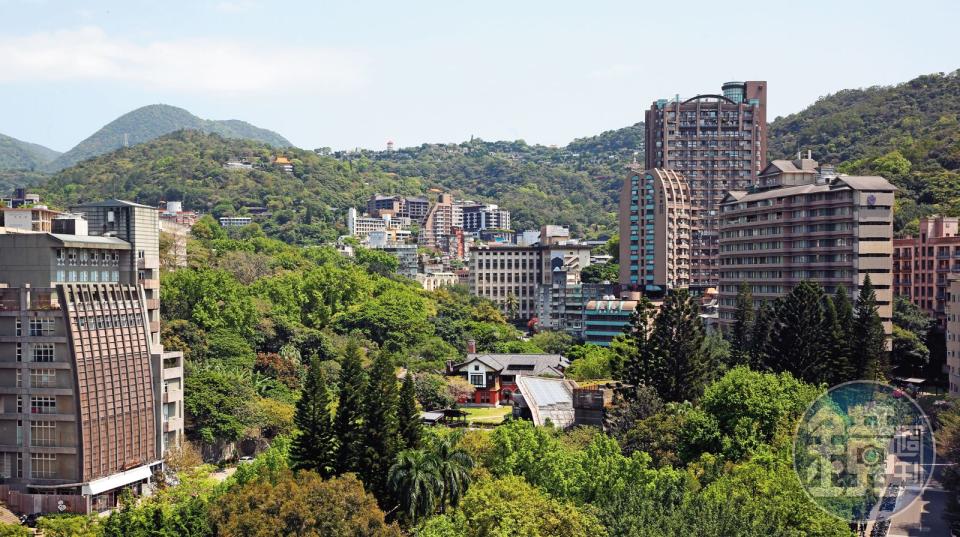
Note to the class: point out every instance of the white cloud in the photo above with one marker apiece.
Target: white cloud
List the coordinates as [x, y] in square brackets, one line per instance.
[187, 65]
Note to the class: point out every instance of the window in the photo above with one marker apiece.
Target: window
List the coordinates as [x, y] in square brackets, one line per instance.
[43, 465]
[43, 378]
[61, 276]
[43, 405]
[60, 256]
[43, 433]
[43, 352]
[19, 327]
[72, 276]
[477, 379]
[42, 326]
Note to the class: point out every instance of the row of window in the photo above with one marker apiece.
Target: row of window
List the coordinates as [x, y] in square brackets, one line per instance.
[99, 322]
[43, 465]
[39, 326]
[83, 257]
[39, 378]
[83, 276]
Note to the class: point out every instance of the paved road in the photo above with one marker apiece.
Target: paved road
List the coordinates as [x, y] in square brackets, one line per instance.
[924, 517]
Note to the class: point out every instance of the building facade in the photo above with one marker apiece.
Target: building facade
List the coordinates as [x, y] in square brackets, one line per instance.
[481, 217]
[494, 376]
[953, 334]
[718, 143]
[922, 265]
[655, 230]
[89, 401]
[437, 224]
[605, 319]
[511, 276]
[833, 231]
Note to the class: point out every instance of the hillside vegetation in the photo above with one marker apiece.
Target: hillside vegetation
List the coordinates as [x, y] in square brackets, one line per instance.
[908, 133]
[19, 155]
[150, 122]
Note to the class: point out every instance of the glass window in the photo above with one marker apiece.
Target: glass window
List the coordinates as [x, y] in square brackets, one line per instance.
[477, 379]
[41, 326]
[43, 433]
[43, 352]
[43, 465]
[43, 378]
[43, 405]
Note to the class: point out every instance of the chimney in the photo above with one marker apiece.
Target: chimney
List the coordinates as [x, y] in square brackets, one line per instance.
[449, 367]
[809, 154]
[471, 346]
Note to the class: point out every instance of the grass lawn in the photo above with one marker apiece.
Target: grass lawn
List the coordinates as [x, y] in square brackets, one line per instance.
[486, 414]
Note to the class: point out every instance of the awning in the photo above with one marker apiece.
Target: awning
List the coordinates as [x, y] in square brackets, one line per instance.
[118, 480]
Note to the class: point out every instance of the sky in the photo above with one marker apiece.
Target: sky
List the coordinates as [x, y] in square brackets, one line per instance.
[359, 73]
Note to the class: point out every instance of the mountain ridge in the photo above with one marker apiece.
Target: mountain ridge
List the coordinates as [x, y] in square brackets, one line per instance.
[20, 155]
[152, 121]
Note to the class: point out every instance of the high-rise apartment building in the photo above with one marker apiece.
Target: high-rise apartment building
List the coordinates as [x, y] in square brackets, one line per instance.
[437, 224]
[829, 229]
[718, 143]
[655, 230]
[90, 401]
[922, 264]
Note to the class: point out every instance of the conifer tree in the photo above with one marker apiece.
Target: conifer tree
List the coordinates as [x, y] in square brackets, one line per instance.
[742, 327]
[869, 341]
[836, 345]
[799, 340]
[677, 341]
[408, 415]
[761, 338]
[314, 447]
[636, 360]
[350, 410]
[380, 431]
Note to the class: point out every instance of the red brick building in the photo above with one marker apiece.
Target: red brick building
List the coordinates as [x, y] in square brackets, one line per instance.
[495, 375]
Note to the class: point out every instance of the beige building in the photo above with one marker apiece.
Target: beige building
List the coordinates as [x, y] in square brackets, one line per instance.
[953, 334]
[655, 230]
[432, 281]
[922, 264]
[829, 229]
[512, 275]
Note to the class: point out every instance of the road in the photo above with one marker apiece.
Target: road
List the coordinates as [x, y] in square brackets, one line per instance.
[924, 517]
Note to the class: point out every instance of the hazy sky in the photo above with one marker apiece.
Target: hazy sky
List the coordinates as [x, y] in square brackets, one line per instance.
[355, 73]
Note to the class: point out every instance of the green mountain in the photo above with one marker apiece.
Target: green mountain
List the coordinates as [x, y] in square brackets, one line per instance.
[19, 155]
[909, 133]
[150, 122]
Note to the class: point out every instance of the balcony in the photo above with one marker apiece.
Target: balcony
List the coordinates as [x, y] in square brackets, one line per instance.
[172, 396]
[172, 424]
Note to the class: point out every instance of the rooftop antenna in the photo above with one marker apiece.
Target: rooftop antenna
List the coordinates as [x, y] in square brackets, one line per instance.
[126, 140]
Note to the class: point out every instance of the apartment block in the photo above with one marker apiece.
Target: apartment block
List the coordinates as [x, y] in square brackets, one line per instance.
[481, 217]
[922, 265]
[606, 318]
[89, 401]
[831, 229]
[719, 143]
[362, 226]
[655, 230]
[952, 315]
[437, 224]
[29, 218]
[511, 276]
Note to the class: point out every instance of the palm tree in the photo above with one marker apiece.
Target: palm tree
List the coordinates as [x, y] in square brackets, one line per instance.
[453, 464]
[513, 306]
[416, 482]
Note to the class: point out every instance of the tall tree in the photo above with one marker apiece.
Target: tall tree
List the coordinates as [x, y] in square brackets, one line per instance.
[379, 427]
[408, 415]
[314, 447]
[761, 337]
[742, 326]
[636, 361]
[415, 482]
[454, 465]
[836, 345]
[869, 340]
[350, 410]
[799, 340]
[677, 340]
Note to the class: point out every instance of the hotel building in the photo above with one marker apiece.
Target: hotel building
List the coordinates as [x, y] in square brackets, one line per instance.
[830, 229]
[718, 143]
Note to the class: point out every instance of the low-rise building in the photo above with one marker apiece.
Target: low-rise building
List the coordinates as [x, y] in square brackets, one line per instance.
[495, 375]
[28, 218]
[431, 281]
[235, 221]
[606, 319]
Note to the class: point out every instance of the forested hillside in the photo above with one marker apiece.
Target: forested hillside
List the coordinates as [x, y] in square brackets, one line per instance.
[19, 155]
[908, 133]
[150, 122]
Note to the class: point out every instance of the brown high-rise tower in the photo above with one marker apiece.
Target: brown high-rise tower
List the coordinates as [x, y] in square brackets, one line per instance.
[719, 143]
